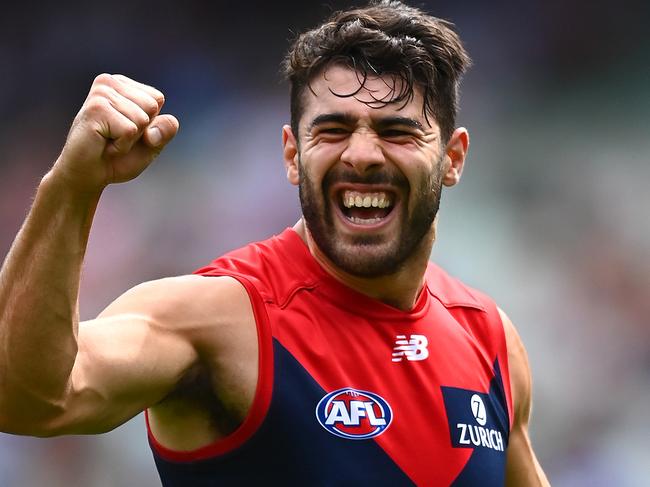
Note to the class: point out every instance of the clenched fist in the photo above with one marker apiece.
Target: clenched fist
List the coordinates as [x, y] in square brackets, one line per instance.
[115, 135]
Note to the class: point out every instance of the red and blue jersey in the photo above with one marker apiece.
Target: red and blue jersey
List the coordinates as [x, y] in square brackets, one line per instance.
[354, 391]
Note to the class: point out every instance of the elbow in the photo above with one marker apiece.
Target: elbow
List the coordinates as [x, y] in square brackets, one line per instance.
[35, 427]
[39, 420]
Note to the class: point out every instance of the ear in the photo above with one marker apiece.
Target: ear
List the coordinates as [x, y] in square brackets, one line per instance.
[455, 153]
[290, 150]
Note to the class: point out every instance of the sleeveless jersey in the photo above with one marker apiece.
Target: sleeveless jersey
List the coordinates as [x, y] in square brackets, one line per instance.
[352, 391]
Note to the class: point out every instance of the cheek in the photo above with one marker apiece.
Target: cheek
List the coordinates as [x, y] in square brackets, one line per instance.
[317, 161]
[413, 163]
[310, 180]
[325, 153]
[423, 177]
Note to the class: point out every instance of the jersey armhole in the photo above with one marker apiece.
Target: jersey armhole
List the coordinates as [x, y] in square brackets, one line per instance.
[261, 400]
[502, 354]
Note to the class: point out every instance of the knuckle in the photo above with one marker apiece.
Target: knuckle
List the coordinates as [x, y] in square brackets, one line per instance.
[101, 89]
[103, 79]
[130, 130]
[123, 81]
[160, 98]
[96, 105]
[157, 97]
[142, 119]
[150, 106]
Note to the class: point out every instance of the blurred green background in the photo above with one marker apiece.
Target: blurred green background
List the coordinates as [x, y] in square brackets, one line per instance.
[551, 218]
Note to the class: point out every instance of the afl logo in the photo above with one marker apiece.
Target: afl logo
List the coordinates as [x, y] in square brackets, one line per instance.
[478, 409]
[353, 414]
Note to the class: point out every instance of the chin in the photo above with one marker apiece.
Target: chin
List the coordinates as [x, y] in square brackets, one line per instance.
[365, 259]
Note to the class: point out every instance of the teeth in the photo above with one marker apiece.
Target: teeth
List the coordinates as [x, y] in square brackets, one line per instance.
[366, 200]
[363, 221]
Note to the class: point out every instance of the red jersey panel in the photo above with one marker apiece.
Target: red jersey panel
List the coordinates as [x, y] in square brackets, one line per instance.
[353, 390]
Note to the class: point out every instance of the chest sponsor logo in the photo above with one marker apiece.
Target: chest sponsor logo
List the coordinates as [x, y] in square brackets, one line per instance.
[412, 348]
[354, 414]
[478, 409]
[472, 420]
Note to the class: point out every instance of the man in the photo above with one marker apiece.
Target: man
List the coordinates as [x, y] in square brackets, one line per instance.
[330, 354]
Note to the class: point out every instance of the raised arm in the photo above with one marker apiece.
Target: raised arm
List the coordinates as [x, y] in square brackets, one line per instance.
[114, 137]
[522, 467]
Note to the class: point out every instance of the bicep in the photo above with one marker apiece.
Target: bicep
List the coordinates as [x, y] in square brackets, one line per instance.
[125, 364]
[128, 358]
[522, 467]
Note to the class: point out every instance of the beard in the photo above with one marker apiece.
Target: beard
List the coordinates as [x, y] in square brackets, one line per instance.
[370, 255]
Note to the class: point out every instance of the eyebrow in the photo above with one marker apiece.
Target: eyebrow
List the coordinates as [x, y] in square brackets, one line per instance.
[382, 123]
[336, 117]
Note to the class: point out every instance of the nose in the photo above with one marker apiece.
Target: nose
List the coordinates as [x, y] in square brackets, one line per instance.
[363, 152]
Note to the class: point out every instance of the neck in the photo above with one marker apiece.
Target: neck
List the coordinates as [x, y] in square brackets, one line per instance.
[400, 289]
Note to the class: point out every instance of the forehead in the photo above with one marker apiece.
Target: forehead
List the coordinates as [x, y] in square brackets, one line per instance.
[341, 89]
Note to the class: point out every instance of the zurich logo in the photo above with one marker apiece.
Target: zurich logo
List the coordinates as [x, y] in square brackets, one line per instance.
[478, 409]
[354, 414]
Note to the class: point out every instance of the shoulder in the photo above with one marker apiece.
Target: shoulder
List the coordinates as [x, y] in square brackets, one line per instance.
[522, 466]
[474, 310]
[272, 269]
[183, 303]
[255, 258]
[452, 292]
[520, 376]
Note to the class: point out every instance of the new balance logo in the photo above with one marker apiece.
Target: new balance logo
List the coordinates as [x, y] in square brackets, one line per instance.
[413, 348]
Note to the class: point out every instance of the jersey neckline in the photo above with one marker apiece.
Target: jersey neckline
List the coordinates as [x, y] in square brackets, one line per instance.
[297, 252]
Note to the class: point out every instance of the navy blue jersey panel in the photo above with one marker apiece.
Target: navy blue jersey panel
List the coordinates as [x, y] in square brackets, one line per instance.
[291, 447]
[486, 433]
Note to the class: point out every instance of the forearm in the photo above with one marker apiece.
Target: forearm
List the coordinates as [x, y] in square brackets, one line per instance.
[114, 137]
[39, 286]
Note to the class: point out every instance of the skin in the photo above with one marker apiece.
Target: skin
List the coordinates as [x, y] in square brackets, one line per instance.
[186, 347]
[361, 147]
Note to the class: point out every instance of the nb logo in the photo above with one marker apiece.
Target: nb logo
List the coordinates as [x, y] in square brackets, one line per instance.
[413, 348]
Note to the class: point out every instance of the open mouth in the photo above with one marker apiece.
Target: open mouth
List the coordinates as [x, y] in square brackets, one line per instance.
[366, 208]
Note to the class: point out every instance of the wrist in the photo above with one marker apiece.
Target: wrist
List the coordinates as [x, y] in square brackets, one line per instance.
[57, 180]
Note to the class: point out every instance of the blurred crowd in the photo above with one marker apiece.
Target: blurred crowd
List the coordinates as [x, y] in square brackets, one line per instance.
[550, 219]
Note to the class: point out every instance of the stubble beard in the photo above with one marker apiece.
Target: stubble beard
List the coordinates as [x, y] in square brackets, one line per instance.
[370, 256]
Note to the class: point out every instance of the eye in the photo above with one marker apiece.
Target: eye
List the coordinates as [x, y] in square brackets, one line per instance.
[334, 130]
[332, 133]
[396, 135]
[393, 133]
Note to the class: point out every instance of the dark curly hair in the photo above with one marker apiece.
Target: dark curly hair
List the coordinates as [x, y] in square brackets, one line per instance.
[385, 37]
